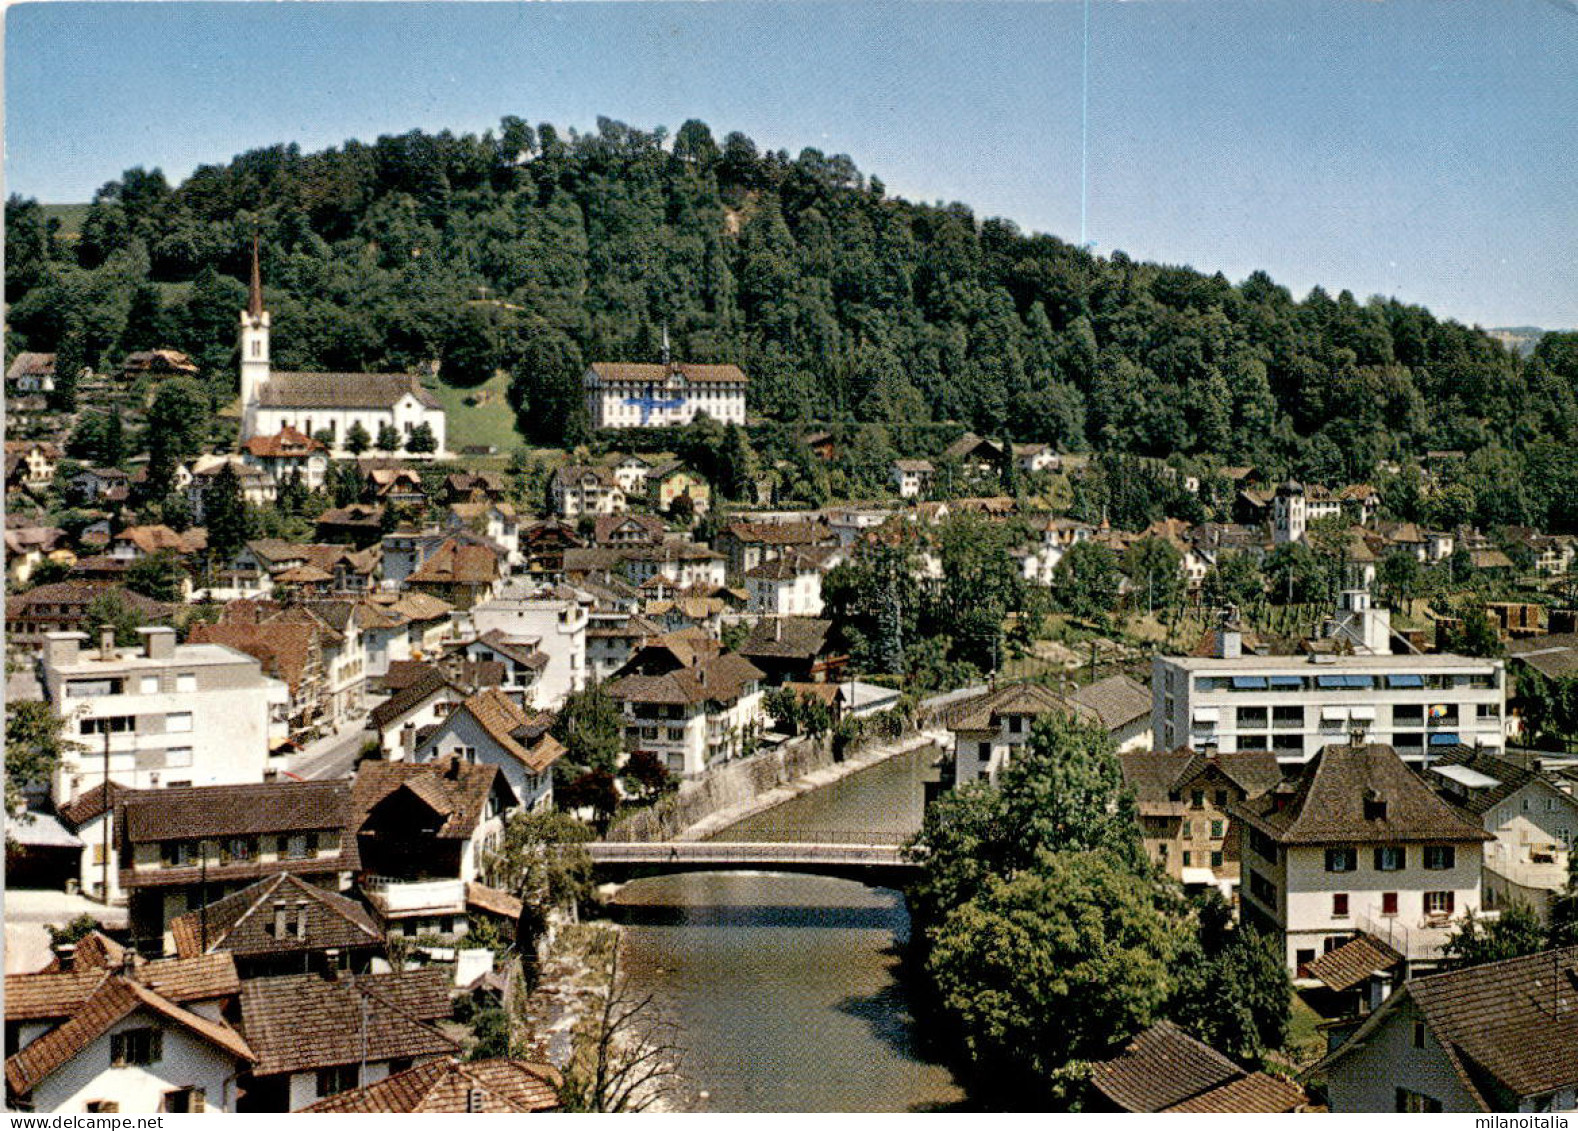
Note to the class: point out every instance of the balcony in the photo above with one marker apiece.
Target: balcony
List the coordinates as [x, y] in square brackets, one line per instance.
[415, 897]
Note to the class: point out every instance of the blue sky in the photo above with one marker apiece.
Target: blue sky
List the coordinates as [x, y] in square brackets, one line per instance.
[1424, 149]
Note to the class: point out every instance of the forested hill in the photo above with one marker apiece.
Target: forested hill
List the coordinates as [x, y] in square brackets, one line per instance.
[535, 250]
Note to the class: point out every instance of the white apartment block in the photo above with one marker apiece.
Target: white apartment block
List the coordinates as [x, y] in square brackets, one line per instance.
[786, 586]
[1294, 705]
[557, 622]
[621, 395]
[161, 715]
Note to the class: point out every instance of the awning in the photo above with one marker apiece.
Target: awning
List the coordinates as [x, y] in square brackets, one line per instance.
[1198, 876]
[1334, 714]
[1367, 713]
[1331, 682]
[1405, 681]
[1207, 714]
[40, 830]
[1294, 682]
[1249, 683]
[1445, 740]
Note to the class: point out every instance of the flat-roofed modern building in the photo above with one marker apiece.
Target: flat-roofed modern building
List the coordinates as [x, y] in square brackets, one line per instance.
[161, 715]
[1294, 705]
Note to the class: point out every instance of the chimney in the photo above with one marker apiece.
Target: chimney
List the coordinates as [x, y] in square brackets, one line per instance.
[107, 642]
[1229, 643]
[62, 649]
[279, 918]
[66, 957]
[158, 642]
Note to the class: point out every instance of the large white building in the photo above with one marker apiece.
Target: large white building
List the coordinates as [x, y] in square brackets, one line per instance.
[1294, 705]
[555, 622]
[331, 403]
[161, 715]
[630, 395]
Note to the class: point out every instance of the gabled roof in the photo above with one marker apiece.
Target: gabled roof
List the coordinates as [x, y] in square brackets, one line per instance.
[1117, 700]
[190, 812]
[459, 561]
[1161, 1067]
[1509, 778]
[785, 567]
[1034, 699]
[283, 649]
[95, 802]
[521, 650]
[1353, 962]
[1511, 1025]
[31, 365]
[604, 526]
[341, 390]
[430, 681]
[1328, 806]
[305, 1022]
[287, 443]
[116, 998]
[798, 638]
[1156, 775]
[718, 679]
[497, 1086]
[242, 923]
[519, 733]
[456, 791]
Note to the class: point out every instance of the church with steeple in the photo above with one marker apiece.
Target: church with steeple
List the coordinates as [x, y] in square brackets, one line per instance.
[327, 406]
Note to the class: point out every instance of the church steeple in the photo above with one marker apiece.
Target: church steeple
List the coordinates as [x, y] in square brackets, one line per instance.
[254, 348]
[255, 297]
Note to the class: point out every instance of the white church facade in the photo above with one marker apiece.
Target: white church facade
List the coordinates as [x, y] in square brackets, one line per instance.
[633, 395]
[329, 405]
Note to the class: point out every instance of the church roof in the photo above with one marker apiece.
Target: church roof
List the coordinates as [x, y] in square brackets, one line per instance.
[341, 390]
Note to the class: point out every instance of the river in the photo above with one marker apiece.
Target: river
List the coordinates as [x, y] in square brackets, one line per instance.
[786, 988]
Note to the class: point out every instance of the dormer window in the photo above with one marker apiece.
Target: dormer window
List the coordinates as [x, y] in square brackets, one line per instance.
[1374, 806]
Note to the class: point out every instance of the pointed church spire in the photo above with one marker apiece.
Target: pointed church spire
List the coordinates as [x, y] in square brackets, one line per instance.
[255, 298]
[665, 344]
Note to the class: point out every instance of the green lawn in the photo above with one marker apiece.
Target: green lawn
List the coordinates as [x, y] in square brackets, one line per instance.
[1306, 1044]
[486, 420]
[69, 215]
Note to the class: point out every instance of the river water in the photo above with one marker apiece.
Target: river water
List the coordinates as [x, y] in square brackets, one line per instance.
[786, 988]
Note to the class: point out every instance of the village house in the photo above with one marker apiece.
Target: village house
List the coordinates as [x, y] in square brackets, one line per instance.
[475, 487]
[425, 835]
[286, 454]
[1359, 844]
[182, 848]
[793, 650]
[629, 530]
[683, 564]
[556, 619]
[450, 1086]
[635, 395]
[90, 817]
[313, 1037]
[518, 657]
[282, 925]
[291, 652]
[1493, 1037]
[912, 478]
[35, 462]
[1181, 798]
[580, 489]
[392, 485]
[124, 1037]
[490, 728]
[62, 606]
[356, 524]
[27, 548]
[687, 703]
[1532, 820]
[31, 373]
[784, 586]
[160, 715]
[464, 571]
[258, 488]
[612, 640]
[543, 544]
[495, 521]
[673, 481]
[747, 545]
[630, 472]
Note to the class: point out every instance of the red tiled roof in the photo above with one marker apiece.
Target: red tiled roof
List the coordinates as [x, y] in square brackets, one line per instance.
[695, 374]
[449, 1086]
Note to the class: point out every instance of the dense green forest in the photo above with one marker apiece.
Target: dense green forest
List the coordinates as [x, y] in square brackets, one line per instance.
[537, 250]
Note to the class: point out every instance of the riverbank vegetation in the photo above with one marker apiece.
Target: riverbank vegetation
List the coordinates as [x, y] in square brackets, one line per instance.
[1047, 939]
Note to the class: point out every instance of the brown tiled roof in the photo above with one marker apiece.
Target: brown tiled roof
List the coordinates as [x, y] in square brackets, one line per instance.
[234, 810]
[980, 712]
[81, 593]
[695, 374]
[282, 648]
[1255, 1093]
[305, 1022]
[1509, 1026]
[341, 390]
[1160, 1068]
[1554, 655]
[786, 567]
[91, 804]
[1353, 962]
[154, 539]
[918, 465]
[117, 998]
[1328, 805]
[243, 923]
[1510, 777]
[461, 799]
[31, 365]
[719, 679]
[429, 681]
[458, 561]
[521, 651]
[604, 526]
[518, 732]
[794, 638]
[30, 997]
[94, 950]
[449, 1086]
[1117, 700]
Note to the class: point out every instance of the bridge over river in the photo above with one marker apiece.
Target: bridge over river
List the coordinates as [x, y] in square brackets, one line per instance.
[861, 858]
